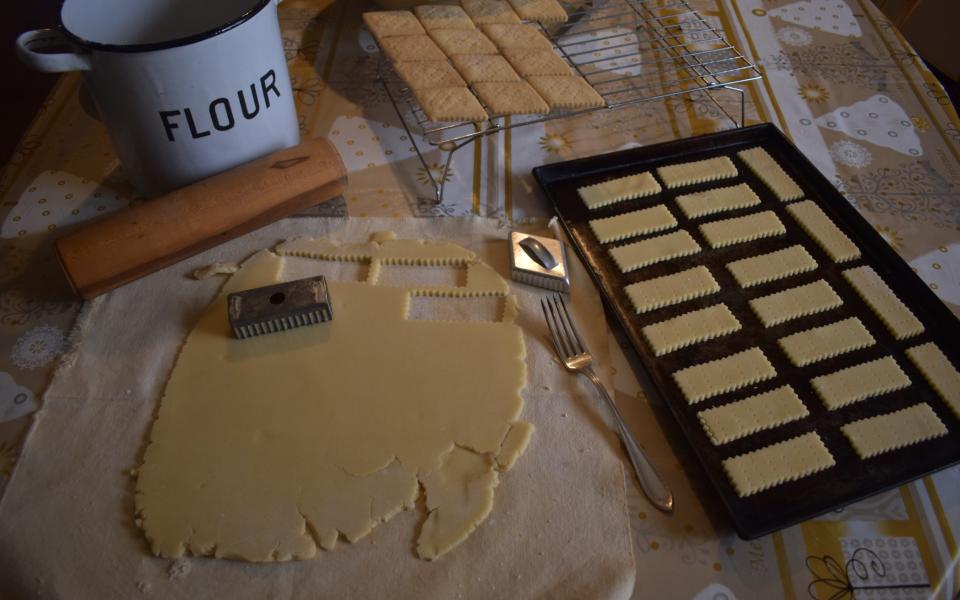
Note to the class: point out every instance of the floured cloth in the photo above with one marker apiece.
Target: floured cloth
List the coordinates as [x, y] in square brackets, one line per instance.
[559, 526]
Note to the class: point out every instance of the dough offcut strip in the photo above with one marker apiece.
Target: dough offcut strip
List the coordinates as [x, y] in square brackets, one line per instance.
[819, 343]
[717, 200]
[771, 173]
[942, 375]
[654, 250]
[860, 382]
[737, 230]
[824, 231]
[742, 418]
[890, 431]
[895, 315]
[617, 190]
[690, 328]
[772, 465]
[698, 171]
[795, 302]
[638, 222]
[772, 266]
[733, 372]
[671, 289]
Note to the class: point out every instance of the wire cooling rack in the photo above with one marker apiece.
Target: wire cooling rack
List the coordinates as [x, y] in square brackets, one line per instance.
[630, 51]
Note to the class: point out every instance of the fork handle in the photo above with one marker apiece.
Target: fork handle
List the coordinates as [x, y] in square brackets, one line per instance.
[650, 482]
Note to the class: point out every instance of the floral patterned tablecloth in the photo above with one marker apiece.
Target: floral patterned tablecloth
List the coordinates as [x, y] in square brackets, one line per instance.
[838, 80]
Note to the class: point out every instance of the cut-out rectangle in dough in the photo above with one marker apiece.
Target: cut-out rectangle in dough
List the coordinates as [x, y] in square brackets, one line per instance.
[653, 250]
[739, 419]
[726, 374]
[772, 266]
[698, 171]
[772, 465]
[638, 222]
[890, 431]
[824, 231]
[671, 289]
[617, 190]
[771, 173]
[819, 343]
[895, 315]
[717, 200]
[690, 328]
[795, 302]
[860, 382]
[942, 375]
[742, 229]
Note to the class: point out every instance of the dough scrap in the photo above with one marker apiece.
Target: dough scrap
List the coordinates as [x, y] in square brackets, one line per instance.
[653, 250]
[690, 328]
[824, 231]
[638, 222]
[899, 319]
[698, 171]
[716, 200]
[890, 431]
[671, 289]
[265, 449]
[739, 419]
[794, 303]
[737, 230]
[723, 375]
[771, 173]
[860, 382]
[942, 375]
[776, 265]
[820, 343]
[772, 465]
[617, 190]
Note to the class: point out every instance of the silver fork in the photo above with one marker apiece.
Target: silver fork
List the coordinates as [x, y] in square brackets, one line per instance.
[576, 357]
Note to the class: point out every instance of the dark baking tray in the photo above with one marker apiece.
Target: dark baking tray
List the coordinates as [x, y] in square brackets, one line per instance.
[851, 479]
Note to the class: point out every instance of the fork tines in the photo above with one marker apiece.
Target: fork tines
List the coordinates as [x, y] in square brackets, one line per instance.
[566, 340]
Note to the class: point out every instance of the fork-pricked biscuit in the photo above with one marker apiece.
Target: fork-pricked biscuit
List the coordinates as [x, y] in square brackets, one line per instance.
[566, 91]
[772, 465]
[387, 23]
[737, 230]
[716, 200]
[450, 104]
[859, 382]
[745, 417]
[423, 75]
[794, 303]
[411, 48]
[619, 189]
[443, 16]
[890, 431]
[942, 375]
[653, 250]
[484, 12]
[671, 289]
[763, 268]
[824, 231]
[895, 315]
[532, 61]
[459, 41]
[771, 173]
[698, 171]
[820, 343]
[510, 98]
[505, 35]
[709, 379]
[476, 68]
[638, 222]
[690, 328]
[545, 11]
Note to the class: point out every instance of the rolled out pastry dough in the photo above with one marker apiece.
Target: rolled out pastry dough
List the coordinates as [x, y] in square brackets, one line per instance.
[266, 448]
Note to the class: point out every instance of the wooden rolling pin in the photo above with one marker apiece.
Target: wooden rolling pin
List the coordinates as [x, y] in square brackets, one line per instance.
[140, 240]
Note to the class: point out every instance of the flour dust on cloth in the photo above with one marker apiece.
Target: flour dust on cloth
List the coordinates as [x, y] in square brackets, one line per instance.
[557, 527]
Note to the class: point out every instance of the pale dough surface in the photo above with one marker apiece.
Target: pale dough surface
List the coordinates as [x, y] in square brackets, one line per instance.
[737, 230]
[690, 328]
[820, 343]
[671, 289]
[717, 200]
[794, 303]
[771, 266]
[942, 375]
[653, 250]
[744, 417]
[899, 319]
[890, 431]
[638, 222]
[720, 167]
[860, 382]
[771, 173]
[824, 231]
[772, 465]
[726, 374]
[616, 190]
[281, 462]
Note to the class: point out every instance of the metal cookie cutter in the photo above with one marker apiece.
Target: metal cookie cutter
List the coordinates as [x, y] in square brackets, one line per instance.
[539, 261]
[279, 307]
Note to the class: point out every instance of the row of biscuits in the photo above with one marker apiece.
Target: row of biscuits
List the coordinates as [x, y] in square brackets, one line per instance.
[440, 52]
[800, 456]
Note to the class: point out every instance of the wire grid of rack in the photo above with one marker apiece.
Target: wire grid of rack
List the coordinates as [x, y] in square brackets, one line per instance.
[630, 51]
